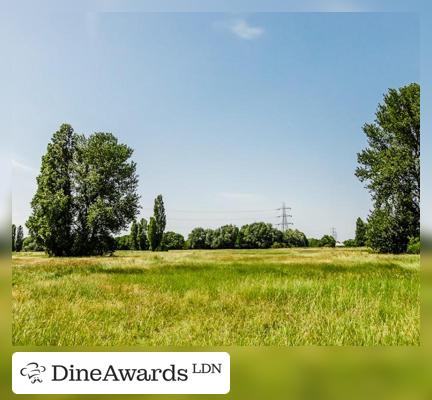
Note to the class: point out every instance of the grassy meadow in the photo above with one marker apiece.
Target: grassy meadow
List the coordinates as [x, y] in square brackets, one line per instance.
[217, 297]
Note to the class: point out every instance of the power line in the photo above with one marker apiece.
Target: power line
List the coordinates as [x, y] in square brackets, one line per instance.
[284, 223]
[215, 211]
[216, 219]
[334, 233]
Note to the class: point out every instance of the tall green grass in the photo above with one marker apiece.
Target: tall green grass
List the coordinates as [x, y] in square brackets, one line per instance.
[219, 297]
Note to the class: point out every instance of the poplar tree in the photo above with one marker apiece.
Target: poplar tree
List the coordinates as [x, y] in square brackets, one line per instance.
[360, 233]
[19, 239]
[142, 234]
[51, 221]
[13, 236]
[152, 234]
[133, 237]
[160, 219]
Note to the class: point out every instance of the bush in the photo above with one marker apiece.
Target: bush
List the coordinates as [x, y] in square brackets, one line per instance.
[414, 245]
[277, 245]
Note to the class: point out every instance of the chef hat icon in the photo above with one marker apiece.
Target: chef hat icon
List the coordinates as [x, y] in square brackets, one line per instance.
[33, 371]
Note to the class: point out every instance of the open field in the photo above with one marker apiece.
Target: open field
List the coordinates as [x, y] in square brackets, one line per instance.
[218, 297]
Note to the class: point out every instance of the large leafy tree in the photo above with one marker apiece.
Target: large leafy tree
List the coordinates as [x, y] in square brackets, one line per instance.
[225, 237]
[390, 167]
[106, 197]
[172, 241]
[197, 238]
[327, 241]
[52, 217]
[86, 194]
[258, 235]
[294, 238]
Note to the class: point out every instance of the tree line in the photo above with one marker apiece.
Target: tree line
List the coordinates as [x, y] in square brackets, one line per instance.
[258, 235]
[87, 195]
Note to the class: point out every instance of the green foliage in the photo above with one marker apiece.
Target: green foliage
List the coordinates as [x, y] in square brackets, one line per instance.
[160, 222]
[86, 193]
[152, 234]
[19, 239]
[225, 237]
[360, 233]
[209, 238]
[390, 166]
[51, 221]
[172, 241]
[197, 239]
[257, 235]
[414, 245]
[13, 237]
[350, 243]
[294, 238]
[313, 242]
[327, 241]
[142, 235]
[384, 233]
[133, 236]
[30, 244]
[123, 242]
[106, 192]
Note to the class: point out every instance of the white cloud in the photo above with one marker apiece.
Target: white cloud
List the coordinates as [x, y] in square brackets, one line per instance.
[245, 31]
[19, 166]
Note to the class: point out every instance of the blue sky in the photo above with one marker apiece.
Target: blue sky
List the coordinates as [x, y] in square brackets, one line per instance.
[226, 112]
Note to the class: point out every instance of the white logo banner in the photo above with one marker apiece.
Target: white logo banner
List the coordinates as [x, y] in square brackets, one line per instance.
[120, 373]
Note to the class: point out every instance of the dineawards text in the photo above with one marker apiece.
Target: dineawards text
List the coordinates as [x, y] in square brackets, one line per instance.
[73, 374]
